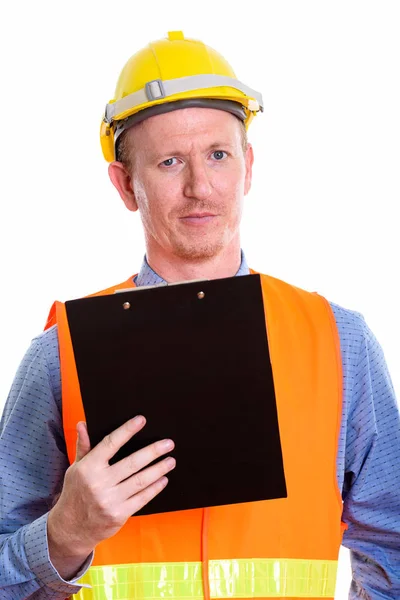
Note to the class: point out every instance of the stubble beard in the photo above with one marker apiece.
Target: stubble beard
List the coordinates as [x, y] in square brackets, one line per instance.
[197, 252]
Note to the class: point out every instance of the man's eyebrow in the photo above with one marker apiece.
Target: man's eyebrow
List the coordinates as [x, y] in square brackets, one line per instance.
[219, 145]
[171, 152]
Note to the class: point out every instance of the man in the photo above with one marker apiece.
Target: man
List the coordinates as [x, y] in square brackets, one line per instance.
[175, 138]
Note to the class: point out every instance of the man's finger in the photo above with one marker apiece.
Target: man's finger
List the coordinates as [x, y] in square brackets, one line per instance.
[82, 441]
[142, 498]
[140, 481]
[138, 460]
[110, 445]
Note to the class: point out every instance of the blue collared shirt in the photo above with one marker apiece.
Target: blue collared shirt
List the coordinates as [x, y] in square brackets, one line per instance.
[33, 461]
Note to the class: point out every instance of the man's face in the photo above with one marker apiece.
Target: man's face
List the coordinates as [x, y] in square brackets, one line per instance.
[189, 176]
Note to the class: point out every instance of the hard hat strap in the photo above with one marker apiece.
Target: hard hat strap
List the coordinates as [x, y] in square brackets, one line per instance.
[158, 89]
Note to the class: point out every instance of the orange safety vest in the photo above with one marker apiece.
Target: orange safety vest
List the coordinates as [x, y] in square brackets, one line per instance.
[281, 548]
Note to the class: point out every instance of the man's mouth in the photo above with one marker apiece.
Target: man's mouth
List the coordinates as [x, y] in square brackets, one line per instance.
[198, 218]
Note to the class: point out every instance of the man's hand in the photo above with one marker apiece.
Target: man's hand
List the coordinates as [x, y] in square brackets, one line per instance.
[97, 499]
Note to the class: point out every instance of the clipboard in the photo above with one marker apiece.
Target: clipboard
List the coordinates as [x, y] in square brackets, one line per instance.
[193, 358]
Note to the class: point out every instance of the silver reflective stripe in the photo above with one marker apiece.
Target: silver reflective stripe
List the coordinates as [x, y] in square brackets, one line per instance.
[177, 86]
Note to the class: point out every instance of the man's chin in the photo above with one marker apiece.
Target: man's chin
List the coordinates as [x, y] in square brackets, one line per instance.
[197, 252]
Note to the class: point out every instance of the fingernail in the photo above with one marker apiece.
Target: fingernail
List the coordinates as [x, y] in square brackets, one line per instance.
[138, 420]
[167, 444]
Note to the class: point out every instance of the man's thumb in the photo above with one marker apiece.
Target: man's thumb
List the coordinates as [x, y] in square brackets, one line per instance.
[82, 442]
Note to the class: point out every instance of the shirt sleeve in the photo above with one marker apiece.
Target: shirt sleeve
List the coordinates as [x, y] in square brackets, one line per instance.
[371, 487]
[33, 461]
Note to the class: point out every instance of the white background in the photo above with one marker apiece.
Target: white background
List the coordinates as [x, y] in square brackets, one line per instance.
[322, 212]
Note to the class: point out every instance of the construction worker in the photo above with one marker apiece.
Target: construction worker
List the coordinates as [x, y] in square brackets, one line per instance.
[175, 138]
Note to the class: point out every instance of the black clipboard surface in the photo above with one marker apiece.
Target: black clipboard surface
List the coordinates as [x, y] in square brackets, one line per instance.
[198, 368]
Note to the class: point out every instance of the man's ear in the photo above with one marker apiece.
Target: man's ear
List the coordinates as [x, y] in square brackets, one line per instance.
[122, 180]
[249, 160]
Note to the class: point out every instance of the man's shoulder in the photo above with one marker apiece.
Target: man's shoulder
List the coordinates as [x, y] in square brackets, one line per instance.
[353, 329]
[48, 336]
[47, 341]
[277, 282]
[346, 318]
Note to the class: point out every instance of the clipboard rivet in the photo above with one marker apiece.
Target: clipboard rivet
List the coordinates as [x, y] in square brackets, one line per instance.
[200, 295]
[126, 305]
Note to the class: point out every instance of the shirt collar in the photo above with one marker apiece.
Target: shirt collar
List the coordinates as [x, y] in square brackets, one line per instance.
[147, 276]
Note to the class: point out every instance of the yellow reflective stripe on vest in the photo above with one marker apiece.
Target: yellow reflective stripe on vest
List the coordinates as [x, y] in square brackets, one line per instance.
[239, 578]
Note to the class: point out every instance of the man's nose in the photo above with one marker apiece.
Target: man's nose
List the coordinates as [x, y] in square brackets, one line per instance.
[197, 183]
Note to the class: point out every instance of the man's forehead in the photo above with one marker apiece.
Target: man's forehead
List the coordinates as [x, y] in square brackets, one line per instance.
[187, 124]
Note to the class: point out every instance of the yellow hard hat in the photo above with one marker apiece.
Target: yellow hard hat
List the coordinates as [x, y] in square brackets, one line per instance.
[169, 74]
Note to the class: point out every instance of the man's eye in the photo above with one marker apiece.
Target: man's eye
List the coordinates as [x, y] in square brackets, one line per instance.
[219, 154]
[169, 162]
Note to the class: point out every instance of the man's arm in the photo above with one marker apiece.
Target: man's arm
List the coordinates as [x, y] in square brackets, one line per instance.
[371, 490]
[33, 462]
[37, 554]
